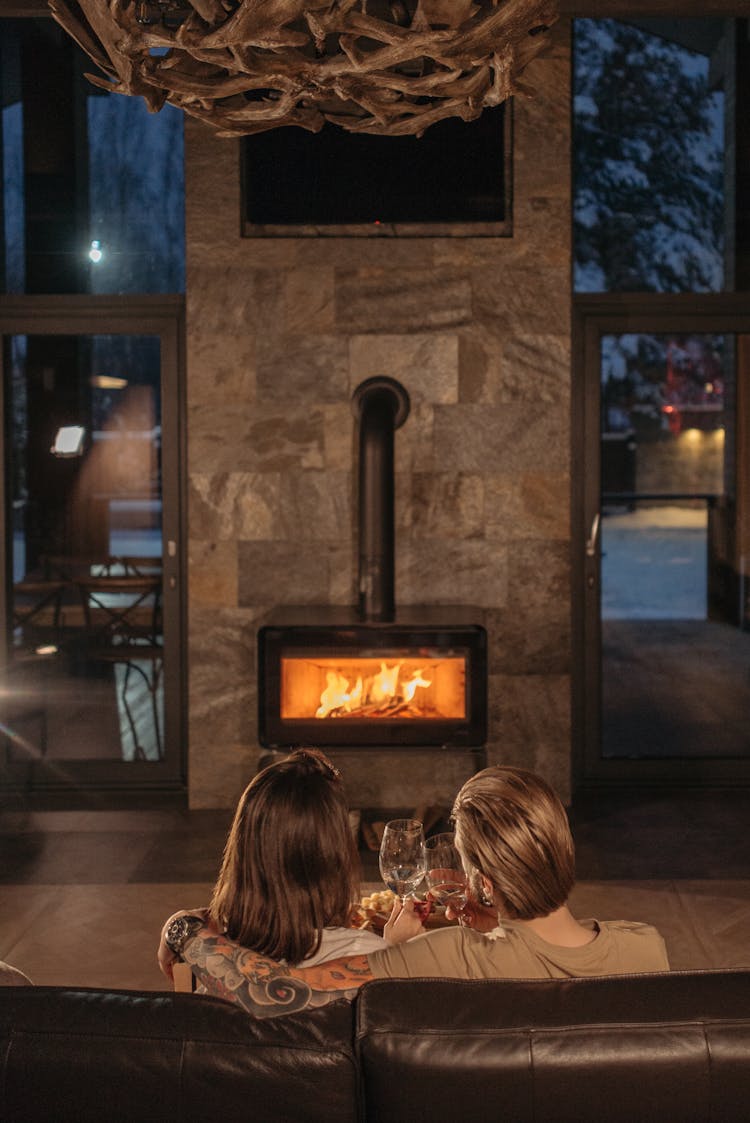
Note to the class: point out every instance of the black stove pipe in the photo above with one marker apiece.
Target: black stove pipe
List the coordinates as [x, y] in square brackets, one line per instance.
[382, 406]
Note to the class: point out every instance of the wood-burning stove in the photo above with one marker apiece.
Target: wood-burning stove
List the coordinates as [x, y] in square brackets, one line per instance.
[374, 677]
[330, 679]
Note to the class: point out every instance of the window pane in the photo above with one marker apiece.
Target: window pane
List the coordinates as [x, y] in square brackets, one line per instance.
[93, 184]
[649, 156]
[85, 647]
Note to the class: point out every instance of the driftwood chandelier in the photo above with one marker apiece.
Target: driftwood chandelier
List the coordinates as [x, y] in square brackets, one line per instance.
[392, 67]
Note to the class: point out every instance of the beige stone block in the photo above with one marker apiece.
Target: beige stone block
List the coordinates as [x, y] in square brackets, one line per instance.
[223, 368]
[468, 571]
[379, 252]
[212, 573]
[536, 367]
[525, 300]
[308, 300]
[281, 573]
[543, 229]
[212, 172]
[402, 779]
[402, 301]
[313, 507]
[302, 369]
[219, 773]
[224, 438]
[447, 505]
[515, 436]
[529, 505]
[341, 441]
[222, 676]
[529, 721]
[232, 506]
[426, 365]
[413, 442]
[227, 300]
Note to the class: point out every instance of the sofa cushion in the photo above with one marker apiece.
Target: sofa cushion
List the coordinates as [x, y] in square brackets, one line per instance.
[649, 1047]
[83, 1056]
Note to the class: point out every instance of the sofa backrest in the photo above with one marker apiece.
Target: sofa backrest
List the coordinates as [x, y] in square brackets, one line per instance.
[88, 1056]
[668, 1047]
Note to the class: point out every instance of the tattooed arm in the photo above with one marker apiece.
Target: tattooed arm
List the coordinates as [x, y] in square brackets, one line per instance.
[266, 987]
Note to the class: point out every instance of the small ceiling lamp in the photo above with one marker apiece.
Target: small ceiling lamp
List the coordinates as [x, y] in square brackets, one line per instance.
[392, 67]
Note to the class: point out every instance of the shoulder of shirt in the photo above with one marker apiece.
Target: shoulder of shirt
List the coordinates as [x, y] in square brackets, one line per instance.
[632, 927]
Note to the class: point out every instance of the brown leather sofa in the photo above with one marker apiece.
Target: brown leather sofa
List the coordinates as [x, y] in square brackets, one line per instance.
[670, 1048]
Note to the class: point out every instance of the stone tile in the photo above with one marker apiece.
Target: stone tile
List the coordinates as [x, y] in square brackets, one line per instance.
[470, 571]
[309, 301]
[426, 365]
[231, 506]
[527, 505]
[226, 369]
[531, 633]
[314, 506]
[226, 439]
[221, 775]
[380, 300]
[502, 439]
[530, 300]
[446, 505]
[529, 725]
[212, 573]
[227, 300]
[274, 573]
[378, 252]
[341, 440]
[222, 668]
[535, 367]
[297, 369]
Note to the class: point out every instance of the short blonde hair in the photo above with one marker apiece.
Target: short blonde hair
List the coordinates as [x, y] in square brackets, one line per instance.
[512, 828]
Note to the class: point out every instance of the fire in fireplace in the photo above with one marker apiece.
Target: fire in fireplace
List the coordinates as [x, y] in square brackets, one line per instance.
[373, 676]
[329, 679]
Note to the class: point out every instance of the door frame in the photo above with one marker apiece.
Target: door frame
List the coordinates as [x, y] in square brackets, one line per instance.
[162, 316]
[593, 317]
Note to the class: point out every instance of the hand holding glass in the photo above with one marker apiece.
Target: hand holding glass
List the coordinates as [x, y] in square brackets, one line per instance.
[402, 861]
[445, 875]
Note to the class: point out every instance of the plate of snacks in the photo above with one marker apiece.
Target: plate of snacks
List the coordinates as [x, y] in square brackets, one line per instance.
[375, 908]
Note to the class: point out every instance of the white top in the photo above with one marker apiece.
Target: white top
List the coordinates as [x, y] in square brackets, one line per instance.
[338, 942]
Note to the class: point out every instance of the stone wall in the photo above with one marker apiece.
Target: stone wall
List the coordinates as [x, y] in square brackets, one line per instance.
[280, 332]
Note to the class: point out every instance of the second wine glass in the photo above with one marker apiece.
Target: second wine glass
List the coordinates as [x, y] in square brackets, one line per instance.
[446, 879]
[402, 860]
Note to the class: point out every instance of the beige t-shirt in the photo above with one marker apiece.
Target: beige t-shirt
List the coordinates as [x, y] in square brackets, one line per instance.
[514, 951]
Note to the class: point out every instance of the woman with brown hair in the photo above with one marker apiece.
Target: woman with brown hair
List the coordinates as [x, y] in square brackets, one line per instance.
[514, 839]
[289, 876]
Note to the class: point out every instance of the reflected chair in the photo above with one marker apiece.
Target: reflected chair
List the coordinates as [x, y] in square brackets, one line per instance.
[122, 619]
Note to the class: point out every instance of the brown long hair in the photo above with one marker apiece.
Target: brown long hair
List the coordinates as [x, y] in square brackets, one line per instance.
[290, 864]
[512, 828]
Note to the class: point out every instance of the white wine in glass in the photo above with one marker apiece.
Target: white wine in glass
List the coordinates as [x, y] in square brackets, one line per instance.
[402, 862]
[446, 880]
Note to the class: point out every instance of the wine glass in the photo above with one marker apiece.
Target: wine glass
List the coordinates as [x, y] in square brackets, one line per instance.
[446, 879]
[402, 863]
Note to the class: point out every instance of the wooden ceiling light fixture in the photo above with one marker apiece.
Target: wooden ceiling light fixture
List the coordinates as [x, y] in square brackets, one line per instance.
[392, 67]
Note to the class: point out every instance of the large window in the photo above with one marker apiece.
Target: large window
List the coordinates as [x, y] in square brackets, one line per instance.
[649, 156]
[93, 184]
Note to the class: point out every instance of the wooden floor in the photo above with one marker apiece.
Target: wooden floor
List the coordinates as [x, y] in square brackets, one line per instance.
[83, 894]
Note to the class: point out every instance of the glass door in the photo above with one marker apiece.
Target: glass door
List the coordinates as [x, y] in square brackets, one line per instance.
[92, 647]
[662, 612]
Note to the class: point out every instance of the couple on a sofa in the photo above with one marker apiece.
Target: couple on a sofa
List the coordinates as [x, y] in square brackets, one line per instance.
[276, 936]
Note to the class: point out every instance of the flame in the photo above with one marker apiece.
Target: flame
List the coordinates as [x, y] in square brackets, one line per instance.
[382, 690]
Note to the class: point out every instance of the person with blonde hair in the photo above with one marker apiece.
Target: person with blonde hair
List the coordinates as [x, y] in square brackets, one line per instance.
[513, 836]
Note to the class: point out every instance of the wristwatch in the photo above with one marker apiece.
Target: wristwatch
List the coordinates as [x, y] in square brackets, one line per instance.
[180, 930]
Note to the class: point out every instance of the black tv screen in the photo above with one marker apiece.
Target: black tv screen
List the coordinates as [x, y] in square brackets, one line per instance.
[457, 172]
